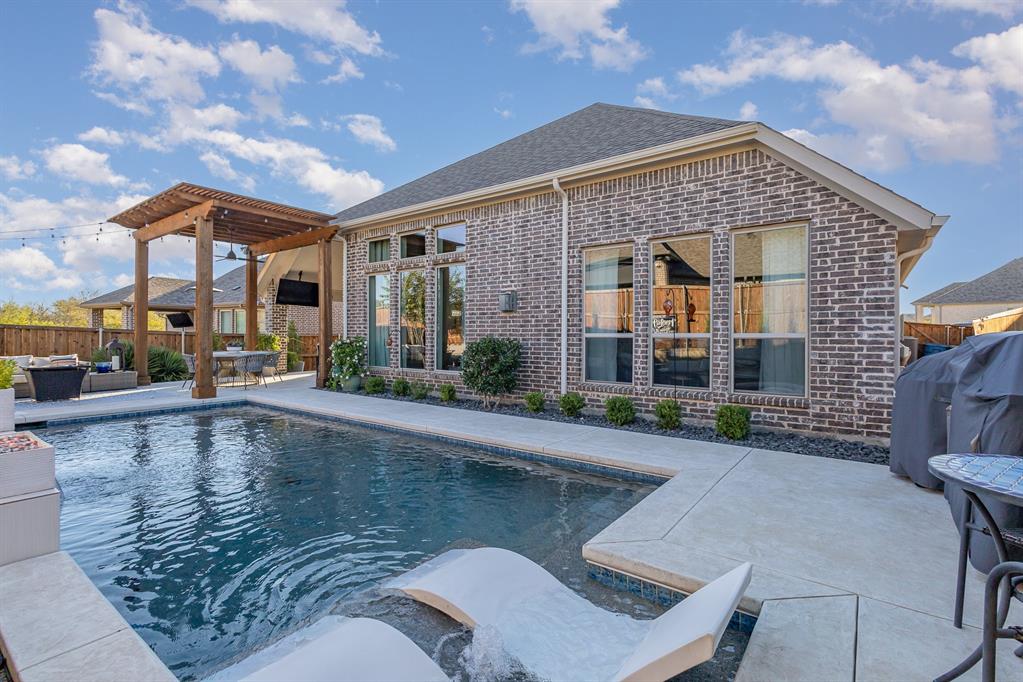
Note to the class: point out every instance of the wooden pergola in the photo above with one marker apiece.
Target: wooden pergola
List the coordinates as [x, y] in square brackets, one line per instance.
[211, 215]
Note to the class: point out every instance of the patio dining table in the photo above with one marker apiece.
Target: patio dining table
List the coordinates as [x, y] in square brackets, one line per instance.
[997, 477]
[225, 358]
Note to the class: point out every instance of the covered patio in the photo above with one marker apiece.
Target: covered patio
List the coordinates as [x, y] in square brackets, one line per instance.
[208, 215]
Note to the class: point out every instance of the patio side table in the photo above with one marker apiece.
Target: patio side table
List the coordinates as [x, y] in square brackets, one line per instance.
[56, 383]
[998, 477]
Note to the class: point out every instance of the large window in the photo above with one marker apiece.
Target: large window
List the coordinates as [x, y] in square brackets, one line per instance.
[413, 319]
[769, 311]
[379, 250]
[413, 244]
[379, 319]
[227, 322]
[607, 309]
[680, 312]
[451, 238]
[450, 317]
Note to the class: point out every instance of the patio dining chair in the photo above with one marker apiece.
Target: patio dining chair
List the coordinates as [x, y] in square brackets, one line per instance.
[190, 367]
[270, 362]
[253, 364]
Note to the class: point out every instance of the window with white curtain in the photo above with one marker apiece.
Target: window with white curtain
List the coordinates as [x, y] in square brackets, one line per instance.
[769, 310]
[607, 311]
[379, 319]
[680, 311]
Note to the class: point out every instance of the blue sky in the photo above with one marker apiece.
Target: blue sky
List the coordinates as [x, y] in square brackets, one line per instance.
[324, 103]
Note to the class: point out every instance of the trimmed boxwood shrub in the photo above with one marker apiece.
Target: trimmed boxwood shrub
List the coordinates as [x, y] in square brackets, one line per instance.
[619, 410]
[732, 421]
[571, 404]
[447, 393]
[419, 390]
[668, 414]
[490, 367]
[534, 401]
[375, 385]
[401, 387]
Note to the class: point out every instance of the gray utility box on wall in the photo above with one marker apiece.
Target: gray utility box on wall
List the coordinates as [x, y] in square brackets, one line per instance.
[506, 301]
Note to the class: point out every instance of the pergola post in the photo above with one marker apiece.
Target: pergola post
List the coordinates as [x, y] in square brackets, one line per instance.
[204, 387]
[326, 313]
[251, 320]
[141, 306]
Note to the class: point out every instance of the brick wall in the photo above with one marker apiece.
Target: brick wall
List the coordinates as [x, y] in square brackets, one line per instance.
[515, 245]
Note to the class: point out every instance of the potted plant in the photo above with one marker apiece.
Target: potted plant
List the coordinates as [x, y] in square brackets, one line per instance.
[7, 368]
[101, 360]
[348, 363]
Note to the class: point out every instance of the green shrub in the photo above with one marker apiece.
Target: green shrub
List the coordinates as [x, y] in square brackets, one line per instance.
[534, 401]
[732, 421]
[294, 347]
[619, 410]
[448, 393]
[571, 404]
[268, 342]
[7, 368]
[166, 364]
[401, 387]
[420, 391]
[347, 360]
[218, 341]
[375, 385]
[490, 367]
[668, 413]
[100, 355]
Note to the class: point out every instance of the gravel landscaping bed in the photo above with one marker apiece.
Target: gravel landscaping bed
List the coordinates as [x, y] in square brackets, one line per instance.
[817, 446]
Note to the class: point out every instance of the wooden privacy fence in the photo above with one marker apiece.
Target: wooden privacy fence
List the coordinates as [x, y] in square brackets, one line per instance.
[45, 341]
[945, 334]
[1008, 321]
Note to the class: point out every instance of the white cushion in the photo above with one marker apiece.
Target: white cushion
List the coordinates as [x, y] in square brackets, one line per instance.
[22, 361]
[41, 362]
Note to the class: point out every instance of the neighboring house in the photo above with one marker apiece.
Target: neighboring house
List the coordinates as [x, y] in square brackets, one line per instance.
[168, 295]
[964, 302]
[710, 260]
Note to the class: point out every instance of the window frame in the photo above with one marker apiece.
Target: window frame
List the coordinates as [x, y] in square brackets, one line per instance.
[709, 236]
[437, 238]
[371, 318]
[582, 321]
[369, 249]
[437, 355]
[401, 244]
[732, 336]
[401, 309]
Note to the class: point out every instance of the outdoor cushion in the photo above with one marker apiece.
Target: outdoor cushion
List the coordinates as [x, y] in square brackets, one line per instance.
[64, 360]
[22, 361]
[41, 362]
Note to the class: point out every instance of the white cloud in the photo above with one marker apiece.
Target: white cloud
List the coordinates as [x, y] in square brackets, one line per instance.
[13, 168]
[1000, 55]
[581, 29]
[651, 92]
[503, 113]
[222, 168]
[369, 129]
[943, 113]
[126, 104]
[488, 34]
[326, 20]
[123, 279]
[100, 135]
[146, 63]
[270, 69]
[29, 268]
[346, 70]
[1000, 8]
[748, 111]
[78, 162]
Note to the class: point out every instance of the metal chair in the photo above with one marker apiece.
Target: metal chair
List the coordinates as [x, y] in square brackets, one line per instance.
[190, 367]
[253, 364]
[271, 359]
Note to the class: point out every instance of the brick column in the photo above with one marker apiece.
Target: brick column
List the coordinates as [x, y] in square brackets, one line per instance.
[277, 323]
[96, 318]
[127, 317]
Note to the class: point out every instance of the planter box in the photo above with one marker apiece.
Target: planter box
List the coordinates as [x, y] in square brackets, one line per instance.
[110, 381]
[6, 409]
[29, 525]
[26, 465]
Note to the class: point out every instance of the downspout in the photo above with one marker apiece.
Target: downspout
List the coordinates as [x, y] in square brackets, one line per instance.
[928, 240]
[564, 285]
[344, 287]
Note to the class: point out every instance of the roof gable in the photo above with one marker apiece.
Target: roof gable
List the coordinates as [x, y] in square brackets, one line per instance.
[1001, 285]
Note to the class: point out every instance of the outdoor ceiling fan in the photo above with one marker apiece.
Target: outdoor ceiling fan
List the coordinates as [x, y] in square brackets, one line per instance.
[232, 256]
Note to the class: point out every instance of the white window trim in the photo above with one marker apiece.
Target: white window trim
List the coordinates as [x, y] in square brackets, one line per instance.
[371, 316]
[436, 315]
[680, 335]
[732, 336]
[606, 335]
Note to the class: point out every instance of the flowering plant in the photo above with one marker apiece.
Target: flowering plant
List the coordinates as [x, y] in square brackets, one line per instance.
[347, 359]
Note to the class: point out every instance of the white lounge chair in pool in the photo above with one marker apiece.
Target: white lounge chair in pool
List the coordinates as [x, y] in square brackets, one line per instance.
[556, 634]
[338, 649]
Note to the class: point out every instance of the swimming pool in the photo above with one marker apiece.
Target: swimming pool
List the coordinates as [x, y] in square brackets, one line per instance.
[216, 532]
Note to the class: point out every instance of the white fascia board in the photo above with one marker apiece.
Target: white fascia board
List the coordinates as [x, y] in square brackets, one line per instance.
[894, 208]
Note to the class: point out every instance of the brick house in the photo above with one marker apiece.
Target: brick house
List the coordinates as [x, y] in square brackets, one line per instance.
[647, 254]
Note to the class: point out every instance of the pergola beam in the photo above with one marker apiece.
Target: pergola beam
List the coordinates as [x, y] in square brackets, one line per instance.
[293, 241]
[173, 223]
[204, 387]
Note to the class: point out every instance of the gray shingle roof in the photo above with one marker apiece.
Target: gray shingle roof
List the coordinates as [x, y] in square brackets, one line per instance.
[1003, 285]
[158, 287]
[165, 292]
[600, 131]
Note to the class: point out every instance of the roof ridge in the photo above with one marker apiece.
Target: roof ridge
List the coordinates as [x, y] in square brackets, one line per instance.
[671, 114]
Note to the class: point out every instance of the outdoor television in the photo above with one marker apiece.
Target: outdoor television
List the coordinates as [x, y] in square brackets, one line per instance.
[293, 292]
[179, 320]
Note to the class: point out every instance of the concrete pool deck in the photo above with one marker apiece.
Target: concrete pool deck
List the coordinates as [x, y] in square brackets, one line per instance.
[853, 567]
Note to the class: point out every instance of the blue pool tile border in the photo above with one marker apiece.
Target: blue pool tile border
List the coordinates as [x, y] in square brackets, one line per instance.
[659, 594]
[512, 453]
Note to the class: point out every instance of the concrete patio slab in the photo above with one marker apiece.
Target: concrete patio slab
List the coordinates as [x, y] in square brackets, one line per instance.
[802, 639]
[120, 656]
